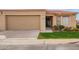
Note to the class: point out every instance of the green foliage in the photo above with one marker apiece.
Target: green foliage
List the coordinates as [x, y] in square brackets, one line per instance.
[55, 28]
[60, 27]
[67, 29]
[77, 26]
[75, 29]
[59, 35]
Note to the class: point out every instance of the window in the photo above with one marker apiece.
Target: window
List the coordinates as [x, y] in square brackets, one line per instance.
[59, 20]
[65, 20]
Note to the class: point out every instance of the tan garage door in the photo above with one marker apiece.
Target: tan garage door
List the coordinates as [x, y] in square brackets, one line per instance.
[23, 22]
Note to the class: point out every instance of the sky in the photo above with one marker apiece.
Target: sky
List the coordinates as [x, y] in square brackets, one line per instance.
[39, 4]
[70, 5]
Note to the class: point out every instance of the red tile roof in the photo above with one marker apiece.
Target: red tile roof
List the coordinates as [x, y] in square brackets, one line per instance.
[61, 12]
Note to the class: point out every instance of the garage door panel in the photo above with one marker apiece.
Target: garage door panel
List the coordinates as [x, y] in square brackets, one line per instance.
[22, 22]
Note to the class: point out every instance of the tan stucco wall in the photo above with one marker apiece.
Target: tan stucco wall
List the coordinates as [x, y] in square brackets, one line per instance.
[0, 12]
[73, 21]
[40, 13]
[2, 22]
[27, 12]
[54, 20]
[47, 14]
[42, 23]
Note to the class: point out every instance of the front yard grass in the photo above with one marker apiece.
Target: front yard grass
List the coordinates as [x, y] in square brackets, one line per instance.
[59, 35]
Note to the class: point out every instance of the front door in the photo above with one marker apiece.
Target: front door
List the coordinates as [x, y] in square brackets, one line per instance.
[48, 21]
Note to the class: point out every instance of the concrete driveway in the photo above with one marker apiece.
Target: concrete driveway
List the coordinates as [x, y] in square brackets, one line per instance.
[19, 34]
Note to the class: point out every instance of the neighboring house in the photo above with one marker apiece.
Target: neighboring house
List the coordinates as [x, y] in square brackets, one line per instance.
[35, 19]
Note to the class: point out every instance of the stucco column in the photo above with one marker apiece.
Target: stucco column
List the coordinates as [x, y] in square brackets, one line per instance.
[42, 23]
[54, 20]
[61, 20]
[2, 22]
[72, 21]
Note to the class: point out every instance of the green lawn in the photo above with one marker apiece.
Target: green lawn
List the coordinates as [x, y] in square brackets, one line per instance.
[59, 35]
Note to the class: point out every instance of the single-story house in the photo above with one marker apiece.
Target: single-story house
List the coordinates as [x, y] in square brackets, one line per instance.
[35, 19]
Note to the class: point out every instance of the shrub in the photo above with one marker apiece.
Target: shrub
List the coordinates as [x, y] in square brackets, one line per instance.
[70, 29]
[77, 26]
[61, 27]
[75, 29]
[67, 29]
[55, 28]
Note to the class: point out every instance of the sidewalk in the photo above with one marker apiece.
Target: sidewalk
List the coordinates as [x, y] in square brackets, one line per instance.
[24, 44]
[24, 41]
